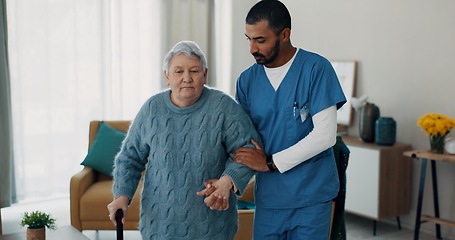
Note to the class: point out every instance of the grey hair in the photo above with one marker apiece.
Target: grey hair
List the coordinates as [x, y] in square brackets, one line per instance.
[190, 49]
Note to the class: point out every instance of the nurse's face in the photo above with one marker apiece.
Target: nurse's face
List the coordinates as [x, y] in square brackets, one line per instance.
[186, 78]
[265, 45]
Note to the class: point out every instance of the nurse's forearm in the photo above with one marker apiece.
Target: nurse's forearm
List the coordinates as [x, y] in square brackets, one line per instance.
[319, 139]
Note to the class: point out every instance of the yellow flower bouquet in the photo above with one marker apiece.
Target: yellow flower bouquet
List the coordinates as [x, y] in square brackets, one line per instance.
[436, 126]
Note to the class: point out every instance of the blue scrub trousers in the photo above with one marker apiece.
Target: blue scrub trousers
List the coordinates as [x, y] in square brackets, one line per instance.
[310, 223]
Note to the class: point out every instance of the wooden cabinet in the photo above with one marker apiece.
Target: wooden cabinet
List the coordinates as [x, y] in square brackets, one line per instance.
[378, 179]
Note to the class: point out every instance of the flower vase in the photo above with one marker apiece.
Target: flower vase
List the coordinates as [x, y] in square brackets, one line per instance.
[437, 143]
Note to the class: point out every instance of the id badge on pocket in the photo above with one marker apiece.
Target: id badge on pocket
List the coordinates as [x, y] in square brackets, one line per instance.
[304, 112]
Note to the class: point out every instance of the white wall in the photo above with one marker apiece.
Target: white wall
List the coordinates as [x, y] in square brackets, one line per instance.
[405, 52]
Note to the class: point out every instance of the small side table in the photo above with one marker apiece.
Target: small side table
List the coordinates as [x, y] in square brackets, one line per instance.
[424, 156]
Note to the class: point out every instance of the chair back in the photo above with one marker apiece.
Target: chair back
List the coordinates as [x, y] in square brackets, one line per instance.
[337, 225]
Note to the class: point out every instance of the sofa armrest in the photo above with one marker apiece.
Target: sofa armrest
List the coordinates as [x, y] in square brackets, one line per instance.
[79, 183]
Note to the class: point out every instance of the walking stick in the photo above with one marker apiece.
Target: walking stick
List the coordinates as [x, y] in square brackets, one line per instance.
[118, 218]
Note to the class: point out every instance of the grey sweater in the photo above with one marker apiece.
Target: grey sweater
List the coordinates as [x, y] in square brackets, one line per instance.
[181, 148]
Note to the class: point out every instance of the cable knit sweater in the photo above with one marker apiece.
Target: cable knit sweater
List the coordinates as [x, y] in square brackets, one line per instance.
[180, 148]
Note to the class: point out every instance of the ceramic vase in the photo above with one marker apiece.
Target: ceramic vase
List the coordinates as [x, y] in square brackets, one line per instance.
[36, 234]
[369, 113]
[385, 131]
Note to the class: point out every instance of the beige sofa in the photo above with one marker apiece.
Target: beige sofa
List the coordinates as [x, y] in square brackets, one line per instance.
[90, 192]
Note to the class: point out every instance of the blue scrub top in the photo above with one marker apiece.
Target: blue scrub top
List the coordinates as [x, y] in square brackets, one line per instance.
[311, 85]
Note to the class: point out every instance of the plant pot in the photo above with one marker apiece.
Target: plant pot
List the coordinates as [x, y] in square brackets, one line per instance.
[36, 234]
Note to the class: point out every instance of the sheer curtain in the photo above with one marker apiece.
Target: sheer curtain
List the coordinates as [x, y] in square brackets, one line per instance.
[225, 80]
[192, 20]
[72, 61]
[209, 23]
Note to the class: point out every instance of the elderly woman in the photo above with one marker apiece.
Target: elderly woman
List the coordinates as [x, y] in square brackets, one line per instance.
[182, 138]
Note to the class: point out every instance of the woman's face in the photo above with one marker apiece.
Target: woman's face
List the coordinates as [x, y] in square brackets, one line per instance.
[186, 78]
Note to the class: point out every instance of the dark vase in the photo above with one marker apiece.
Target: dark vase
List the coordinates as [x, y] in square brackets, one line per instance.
[369, 113]
[385, 131]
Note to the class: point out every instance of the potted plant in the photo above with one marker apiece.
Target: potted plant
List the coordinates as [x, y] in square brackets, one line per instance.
[36, 223]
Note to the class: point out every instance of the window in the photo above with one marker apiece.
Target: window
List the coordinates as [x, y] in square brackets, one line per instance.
[72, 61]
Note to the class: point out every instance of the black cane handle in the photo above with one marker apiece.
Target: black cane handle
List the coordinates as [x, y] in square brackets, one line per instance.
[118, 219]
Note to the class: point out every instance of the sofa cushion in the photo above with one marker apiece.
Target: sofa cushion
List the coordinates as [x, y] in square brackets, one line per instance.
[245, 205]
[103, 150]
[94, 202]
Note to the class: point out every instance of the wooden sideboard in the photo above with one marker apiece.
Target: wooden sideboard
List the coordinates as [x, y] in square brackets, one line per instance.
[378, 179]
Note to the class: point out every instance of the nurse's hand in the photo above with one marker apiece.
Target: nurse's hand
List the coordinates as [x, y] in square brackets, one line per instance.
[253, 158]
[209, 188]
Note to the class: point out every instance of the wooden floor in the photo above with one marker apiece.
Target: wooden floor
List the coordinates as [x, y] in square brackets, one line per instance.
[357, 228]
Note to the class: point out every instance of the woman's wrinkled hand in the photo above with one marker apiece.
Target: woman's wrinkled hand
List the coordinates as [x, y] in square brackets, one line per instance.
[120, 202]
[217, 193]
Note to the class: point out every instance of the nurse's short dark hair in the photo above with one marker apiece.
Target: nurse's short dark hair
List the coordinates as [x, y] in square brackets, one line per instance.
[273, 11]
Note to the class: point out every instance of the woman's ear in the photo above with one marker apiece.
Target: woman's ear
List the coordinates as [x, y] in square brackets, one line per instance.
[166, 77]
[205, 75]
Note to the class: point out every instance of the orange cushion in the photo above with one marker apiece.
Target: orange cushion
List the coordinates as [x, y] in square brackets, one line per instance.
[94, 202]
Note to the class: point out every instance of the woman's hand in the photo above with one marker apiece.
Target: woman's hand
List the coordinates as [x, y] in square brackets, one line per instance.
[217, 193]
[118, 203]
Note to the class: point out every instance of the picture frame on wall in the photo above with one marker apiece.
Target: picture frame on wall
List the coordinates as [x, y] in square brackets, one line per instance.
[346, 73]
